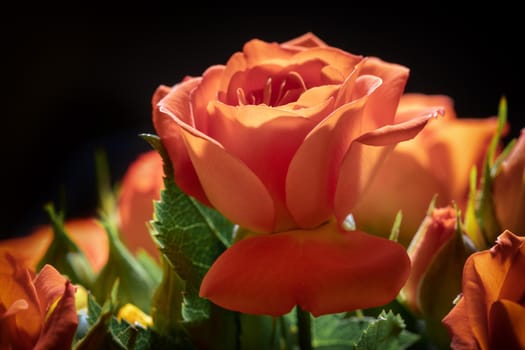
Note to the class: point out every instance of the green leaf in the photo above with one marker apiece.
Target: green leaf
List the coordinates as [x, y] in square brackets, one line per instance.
[136, 284]
[338, 331]
[387, 332]
[191, 236]
[64, 254]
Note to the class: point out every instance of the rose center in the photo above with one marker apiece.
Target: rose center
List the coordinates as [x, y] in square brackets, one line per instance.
[277, 91]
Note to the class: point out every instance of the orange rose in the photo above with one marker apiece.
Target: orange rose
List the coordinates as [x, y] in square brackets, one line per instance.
[491, 311]
[282, 140]
[141, 185]
[86, 233]
[36, 312]
[437, 161]
[509, 189]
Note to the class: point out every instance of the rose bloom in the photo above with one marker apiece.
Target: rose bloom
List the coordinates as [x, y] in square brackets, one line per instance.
[490, 313]
[87, 233]
[140, 187]
[36, 311]
[282, 140]
[437, 161]
[509, 189]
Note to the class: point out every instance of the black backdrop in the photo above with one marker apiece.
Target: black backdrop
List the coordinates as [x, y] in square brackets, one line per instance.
[76, 84]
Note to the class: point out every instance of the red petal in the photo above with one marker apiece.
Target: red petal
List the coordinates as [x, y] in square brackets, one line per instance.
[324, 271]
[59, 330]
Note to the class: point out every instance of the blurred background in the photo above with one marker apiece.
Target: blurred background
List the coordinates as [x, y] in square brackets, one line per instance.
[74, 84]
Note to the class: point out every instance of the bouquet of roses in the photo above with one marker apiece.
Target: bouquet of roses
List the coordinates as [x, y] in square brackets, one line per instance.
[295, 197]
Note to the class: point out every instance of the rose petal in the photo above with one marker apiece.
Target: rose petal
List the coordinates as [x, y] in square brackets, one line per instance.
[323, 270]
[363, 158]
[140, 187]
[388, 193]
[49, 285]
[507, 325]
[59, 329]
[169, 131]
[17, 284]
[203, 94]
[381, 108]
[91, 238]
[230, 185]
[457, 322]
[28, 249]
[412, 103]
[306, 40]
[313, 172]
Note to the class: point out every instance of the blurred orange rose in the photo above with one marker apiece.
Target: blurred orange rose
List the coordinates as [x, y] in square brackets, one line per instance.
[490, 313]
[140, 187]
[283, 139]
[86, 233]
[437, 161]
[36, 311]
[509, 189]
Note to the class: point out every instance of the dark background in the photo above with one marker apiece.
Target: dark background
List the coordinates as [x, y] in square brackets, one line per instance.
[75, 84]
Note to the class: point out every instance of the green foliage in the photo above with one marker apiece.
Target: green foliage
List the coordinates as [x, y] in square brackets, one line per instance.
[64, 254]
[191, 236]
[343, 332]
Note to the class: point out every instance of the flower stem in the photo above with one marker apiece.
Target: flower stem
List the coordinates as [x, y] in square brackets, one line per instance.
[304, 325]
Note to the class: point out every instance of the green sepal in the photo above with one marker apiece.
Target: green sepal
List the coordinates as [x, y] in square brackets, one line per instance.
[136, 284]
[484, 208]
[64, 254]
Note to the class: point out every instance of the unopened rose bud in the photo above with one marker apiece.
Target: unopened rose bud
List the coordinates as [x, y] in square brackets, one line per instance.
[437, 253]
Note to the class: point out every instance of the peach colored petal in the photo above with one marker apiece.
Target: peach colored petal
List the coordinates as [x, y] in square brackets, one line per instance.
[272, 146]
[463, 142]
[236, 63]
[140, 187]
[364, 156]
[230, 185]
[169, 131]
[315, 113]
[257, 51]
[203, 94]
[457, 322]
[342, 61]
[413, 103]
[381, 108]
[29, 249]
[313, 170]
[322, 270]
[159, 94]
[177, 101]
[306, 40]
[507, 325]
[59, 329]
[91, 238]
[402, 183]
